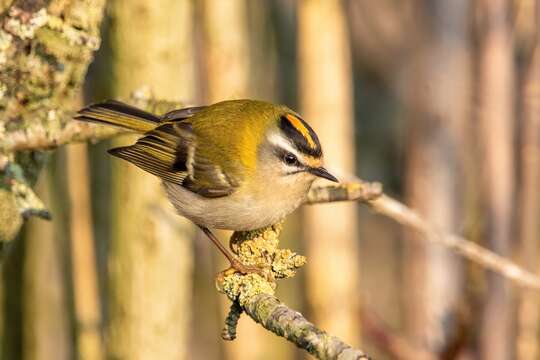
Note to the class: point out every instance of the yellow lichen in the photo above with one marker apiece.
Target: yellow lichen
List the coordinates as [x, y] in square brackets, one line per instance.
[240, 287]
[259, 248]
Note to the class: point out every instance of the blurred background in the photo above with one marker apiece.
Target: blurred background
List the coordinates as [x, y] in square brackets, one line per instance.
[438, 100]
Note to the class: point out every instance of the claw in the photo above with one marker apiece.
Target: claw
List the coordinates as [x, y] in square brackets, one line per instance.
[246, 269]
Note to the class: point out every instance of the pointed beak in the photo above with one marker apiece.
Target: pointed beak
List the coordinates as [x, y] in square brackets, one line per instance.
[322, 172]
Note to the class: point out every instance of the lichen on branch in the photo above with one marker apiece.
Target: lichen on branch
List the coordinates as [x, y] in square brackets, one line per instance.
[253, 294]
[45, 50]
[259, 248]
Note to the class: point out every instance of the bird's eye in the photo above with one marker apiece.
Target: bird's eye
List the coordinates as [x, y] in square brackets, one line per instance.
[290, 159]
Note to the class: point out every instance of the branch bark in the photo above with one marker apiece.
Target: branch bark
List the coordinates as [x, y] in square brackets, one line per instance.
[149, 244]
[276, 317]
[254, 295]
[45, 49]
[330, 233]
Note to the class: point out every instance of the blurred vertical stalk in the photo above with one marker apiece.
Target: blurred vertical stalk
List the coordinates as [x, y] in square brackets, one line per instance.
[496, 85]
[150, 258]
[46, 311]
[227, 65]
[528, 347]
[83, 259]
[438, 104]
[12, 301]
[330, 231]
[226, 49]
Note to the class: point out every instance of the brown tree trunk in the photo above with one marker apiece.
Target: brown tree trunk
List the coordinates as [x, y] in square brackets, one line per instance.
[330, 231]
[226, 49]
[150, 259]
[83, 260]
[496, 136]
[528, 347]
[438, 100]
[46, 311]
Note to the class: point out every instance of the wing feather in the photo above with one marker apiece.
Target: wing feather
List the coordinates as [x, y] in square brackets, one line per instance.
[170, 152]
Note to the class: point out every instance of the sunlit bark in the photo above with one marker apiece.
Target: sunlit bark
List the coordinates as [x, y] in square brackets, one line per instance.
[496, 85]
[330, 232]
[86, 298]
[150, 260]
[528, 347]
[46, 315]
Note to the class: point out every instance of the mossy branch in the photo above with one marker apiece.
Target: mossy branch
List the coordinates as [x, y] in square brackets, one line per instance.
[254, 294]
[18, 198]
[45, 50]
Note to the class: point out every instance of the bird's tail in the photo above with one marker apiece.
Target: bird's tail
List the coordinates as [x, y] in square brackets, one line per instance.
[116, 113]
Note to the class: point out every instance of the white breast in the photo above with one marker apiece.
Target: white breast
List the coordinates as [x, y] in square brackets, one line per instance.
[242, 210]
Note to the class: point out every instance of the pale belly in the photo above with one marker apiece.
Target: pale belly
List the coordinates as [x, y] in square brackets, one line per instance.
[236, 211]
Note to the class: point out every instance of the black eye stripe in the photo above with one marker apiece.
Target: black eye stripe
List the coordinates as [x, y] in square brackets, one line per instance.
[307, 146]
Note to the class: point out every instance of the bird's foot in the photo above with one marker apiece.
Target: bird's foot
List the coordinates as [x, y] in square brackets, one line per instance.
[244, 269]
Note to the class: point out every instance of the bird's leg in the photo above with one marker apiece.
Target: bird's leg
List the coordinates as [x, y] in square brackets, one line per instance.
[235, 262]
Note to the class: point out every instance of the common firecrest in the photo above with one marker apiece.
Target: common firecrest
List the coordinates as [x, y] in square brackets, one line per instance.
[235, 165]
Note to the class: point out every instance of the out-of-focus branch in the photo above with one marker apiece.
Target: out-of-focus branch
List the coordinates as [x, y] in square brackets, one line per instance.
[39, 137]
[45, 49]
[254, 295]
[371, 195]
[19, 199]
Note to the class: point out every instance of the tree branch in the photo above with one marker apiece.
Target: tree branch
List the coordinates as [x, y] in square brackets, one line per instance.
[371, 195]
[254, 294]
[276, 317]
[44, 53]
[39, 137]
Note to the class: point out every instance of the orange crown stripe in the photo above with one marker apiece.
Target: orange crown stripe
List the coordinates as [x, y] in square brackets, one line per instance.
[298, 125]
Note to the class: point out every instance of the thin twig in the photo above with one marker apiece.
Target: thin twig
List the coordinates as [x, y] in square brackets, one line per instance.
[370, 194]
[231, 322]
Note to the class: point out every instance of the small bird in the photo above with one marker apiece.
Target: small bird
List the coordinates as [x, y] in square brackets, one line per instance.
[234, 165]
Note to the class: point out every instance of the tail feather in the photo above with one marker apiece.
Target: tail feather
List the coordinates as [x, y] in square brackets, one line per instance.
[119, 114]
[151, 160]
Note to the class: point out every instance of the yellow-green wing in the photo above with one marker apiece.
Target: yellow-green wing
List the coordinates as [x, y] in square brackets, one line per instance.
[161, 152]
[170, 152]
